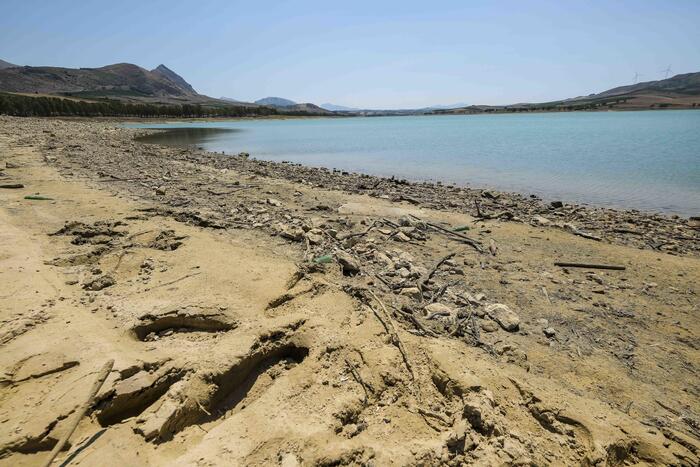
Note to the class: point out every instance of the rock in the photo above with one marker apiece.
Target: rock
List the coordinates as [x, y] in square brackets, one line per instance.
[489, 326]
[550, 332]
[405, 221]
[383, 259]
[539, 220]
[315, 236]
[273, 202]
[40, 365]
[350, 265]
[402, 237]
[556, 204]
[291, 232]
[412, 292]
[11, 165]
[99, 283]
[504, 316]
[439, 309]
[160, 191]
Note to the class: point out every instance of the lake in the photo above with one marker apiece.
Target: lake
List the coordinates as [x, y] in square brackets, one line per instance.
[639, 160]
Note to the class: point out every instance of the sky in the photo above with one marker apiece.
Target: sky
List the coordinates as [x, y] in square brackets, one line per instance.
[367, 54]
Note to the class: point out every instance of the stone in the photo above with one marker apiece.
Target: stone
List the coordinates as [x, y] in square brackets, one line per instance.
[412, 292]
[402, 237]
[489, 326]
[439, 308]
[383, 259]
[273, 202]
[539, 220]
[507, 318]
[99, 283]
[405, 221]
[556, 204]
[348, 263]
[291, 232]
[160, 191]
[550, 332]
[314, 236]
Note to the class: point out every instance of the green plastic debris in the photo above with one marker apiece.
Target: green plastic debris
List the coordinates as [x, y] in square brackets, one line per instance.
[461, 228]
[323, 259]
[38, 198]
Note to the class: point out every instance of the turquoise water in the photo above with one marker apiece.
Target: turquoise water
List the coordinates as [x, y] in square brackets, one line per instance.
[642, 160]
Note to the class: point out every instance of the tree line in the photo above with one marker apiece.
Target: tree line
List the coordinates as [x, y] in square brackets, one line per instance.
[28, 106]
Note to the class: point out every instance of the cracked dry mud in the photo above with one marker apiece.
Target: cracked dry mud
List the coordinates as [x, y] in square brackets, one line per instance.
[269, 314]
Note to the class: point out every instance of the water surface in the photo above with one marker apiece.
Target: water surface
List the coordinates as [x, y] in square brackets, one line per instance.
[641, 160]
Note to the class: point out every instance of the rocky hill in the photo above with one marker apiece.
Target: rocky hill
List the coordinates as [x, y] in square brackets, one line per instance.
[122, 81]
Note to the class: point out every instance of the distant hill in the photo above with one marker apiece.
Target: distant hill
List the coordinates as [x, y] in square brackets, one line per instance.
[680, 91]
[305, 108]
[448, 106]
[687, 84]
[338, 108]
[275, 102]
[4, 64]
[229, 99]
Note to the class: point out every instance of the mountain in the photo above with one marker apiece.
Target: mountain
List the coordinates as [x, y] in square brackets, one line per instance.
[275, 102]
[170, 75]
[4, 64]
[122, 81]
[338, 108]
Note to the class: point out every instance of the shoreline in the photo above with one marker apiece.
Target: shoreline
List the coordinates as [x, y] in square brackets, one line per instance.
[544, 198]
[368, 314]
[577, 218]
[676, 204]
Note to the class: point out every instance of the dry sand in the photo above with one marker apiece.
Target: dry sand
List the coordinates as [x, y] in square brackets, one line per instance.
[233, 347]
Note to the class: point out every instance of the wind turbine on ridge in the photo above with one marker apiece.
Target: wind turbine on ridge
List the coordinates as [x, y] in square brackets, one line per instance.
[667, 71]
[636, 77]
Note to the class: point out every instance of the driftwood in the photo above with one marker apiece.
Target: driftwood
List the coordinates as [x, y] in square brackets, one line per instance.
[590, 266]
[359, 234]
[470, 241]
[423, 281]
[104, 372]
[389, 327]
[412, 318]
[587, 235]
[358, 378]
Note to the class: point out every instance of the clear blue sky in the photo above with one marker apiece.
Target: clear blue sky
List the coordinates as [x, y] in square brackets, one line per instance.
[372, 54]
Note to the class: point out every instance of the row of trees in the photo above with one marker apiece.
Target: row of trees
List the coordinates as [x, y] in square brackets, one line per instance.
[27, 106]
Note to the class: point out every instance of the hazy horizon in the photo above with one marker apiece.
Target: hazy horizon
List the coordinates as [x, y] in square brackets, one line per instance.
[368, 55]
